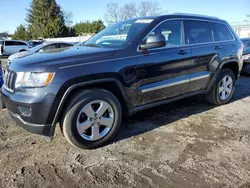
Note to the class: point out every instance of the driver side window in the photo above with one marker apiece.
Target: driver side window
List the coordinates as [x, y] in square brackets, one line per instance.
[172, 31]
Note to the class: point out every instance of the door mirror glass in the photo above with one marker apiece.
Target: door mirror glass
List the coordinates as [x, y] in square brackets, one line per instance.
[154, 41]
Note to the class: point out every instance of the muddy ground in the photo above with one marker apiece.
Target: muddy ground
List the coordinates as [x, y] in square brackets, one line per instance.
[184, 144]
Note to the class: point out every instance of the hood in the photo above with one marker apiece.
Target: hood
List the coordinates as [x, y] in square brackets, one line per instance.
[39, 62]
[20, 55]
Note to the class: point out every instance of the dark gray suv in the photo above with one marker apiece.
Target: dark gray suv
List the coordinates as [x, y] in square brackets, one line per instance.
[128, 67]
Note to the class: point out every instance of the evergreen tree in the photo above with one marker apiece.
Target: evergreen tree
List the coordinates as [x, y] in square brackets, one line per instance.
[45, 19]
[89, 27]
[21, 33]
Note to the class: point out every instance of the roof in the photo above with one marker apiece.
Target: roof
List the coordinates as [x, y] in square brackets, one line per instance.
[181, 15]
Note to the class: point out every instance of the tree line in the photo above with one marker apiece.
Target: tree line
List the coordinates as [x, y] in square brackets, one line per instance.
[46, 19]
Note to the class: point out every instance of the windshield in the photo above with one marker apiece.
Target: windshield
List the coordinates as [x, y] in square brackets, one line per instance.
[37, 48]
[118, 34]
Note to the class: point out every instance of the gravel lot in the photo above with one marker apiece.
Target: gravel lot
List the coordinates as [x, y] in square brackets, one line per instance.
[184, 144]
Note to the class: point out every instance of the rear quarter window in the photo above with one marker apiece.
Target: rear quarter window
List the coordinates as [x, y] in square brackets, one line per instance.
[21, 43]
[221, 32]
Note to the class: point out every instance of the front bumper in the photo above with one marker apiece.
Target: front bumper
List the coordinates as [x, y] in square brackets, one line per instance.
[37, 121]
[44, 130]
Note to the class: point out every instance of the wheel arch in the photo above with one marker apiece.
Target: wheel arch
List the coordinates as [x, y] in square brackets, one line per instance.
[110, 84]
[233, 65]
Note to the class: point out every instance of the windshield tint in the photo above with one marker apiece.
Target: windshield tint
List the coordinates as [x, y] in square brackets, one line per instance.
[118, 34]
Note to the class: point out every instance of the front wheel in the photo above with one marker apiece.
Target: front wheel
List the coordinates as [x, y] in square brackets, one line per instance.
[92, 118]
[223, 89]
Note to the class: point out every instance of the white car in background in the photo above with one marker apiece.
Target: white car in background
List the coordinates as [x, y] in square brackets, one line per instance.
[46, 46]
[9, 47]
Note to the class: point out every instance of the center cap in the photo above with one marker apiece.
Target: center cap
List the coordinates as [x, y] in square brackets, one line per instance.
[96, 120]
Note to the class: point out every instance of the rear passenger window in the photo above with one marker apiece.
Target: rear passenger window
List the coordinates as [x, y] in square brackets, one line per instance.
[10, 43]
[221, 32]
[197, 32]
[172, 31]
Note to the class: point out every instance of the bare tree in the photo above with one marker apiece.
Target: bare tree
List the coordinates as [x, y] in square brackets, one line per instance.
[112, 14]
[148, 8]
[115, 13]
[68, 17]
[128, 11]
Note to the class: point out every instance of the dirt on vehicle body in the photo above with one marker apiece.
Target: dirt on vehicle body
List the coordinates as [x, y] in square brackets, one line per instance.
[184, 144]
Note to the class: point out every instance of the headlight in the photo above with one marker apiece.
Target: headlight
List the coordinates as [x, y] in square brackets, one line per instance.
[33, 79]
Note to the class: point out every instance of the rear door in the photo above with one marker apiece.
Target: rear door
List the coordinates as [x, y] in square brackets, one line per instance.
[198, 35]
[10, 47]
[21, 46]
[163, 73]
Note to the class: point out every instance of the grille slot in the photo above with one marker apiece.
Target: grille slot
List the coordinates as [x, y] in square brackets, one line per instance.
[9, 80]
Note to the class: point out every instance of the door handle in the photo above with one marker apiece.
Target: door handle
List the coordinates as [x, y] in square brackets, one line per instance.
[183, 52]
[218, 47]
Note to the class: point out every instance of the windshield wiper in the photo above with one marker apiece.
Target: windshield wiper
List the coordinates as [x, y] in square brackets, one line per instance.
[92, 45]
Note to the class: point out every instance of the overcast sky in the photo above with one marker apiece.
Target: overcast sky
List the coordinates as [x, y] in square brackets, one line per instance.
[13, 12]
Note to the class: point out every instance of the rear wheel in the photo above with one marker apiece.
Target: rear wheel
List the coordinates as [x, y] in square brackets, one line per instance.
[223, 90]
[92, 119]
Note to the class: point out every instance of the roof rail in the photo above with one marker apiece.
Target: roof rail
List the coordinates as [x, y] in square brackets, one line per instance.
[188, 14]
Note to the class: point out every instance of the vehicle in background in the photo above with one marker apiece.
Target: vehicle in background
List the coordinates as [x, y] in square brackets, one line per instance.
[1, 47]
[128, 67]
[1, 74]
[34, 43]
[46, 46]
[9, 47]
[246, 55]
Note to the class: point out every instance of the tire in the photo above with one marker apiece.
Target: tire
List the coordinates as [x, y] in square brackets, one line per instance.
[215, 96]
[72, 115]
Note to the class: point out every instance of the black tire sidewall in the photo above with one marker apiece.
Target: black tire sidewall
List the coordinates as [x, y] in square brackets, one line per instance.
[74, 110]
[224, 72]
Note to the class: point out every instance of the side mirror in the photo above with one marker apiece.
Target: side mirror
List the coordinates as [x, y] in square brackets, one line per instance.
[154, 41]
[41, 50]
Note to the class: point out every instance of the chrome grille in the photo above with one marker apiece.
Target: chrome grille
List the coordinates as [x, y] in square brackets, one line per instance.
[9, 80]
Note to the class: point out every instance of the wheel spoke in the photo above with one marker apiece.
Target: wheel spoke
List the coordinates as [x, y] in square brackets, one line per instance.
[228, 90]
[108, 122]
[102, 109]
[220, 89]
[228, 82]
[88, 110]
[82, 127]
[224, 81]
[95, 135]
[223, 95]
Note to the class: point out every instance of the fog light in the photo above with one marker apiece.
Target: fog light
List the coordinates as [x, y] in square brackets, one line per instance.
[25, 111]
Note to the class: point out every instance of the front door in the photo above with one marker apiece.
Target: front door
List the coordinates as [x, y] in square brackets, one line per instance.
[163, 73]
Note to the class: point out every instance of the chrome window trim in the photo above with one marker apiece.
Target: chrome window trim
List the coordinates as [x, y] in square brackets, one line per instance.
[185, 45]
[183, 80]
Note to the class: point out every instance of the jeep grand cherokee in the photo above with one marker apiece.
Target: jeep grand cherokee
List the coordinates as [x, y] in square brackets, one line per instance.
[128, 67]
